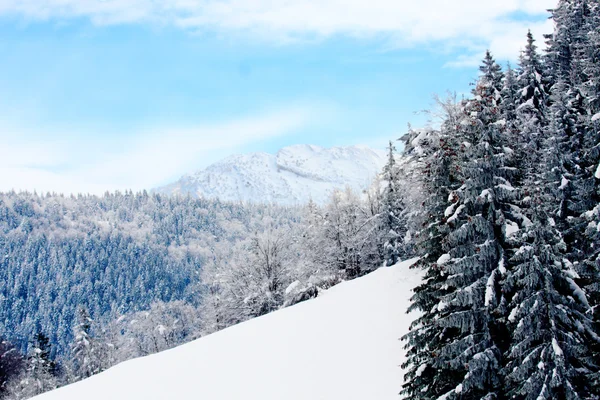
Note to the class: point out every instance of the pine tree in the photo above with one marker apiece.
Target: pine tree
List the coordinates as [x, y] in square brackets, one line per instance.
[510, 95]
[574, 51]
[393, 219]
[85, 360]
[532, 105]
[425, 378]
[510, 301]
[491, 73]
[456, 347]
[475, 251]
[549, 355]
[587, 181]
[567, 40]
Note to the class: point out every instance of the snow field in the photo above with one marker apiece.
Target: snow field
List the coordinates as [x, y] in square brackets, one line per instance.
[342, 345]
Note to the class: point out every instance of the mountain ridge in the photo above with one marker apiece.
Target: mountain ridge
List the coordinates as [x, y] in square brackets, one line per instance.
[294, 175]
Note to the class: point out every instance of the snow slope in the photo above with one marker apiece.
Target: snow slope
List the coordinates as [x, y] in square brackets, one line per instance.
[342, 345]
[292, 176]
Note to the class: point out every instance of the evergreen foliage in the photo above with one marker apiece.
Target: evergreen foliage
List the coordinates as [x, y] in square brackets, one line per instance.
[393, 220]
[85, 353]
[509, 302]
[501, 201]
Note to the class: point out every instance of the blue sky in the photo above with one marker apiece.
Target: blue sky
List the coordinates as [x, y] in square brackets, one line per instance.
[100, 95]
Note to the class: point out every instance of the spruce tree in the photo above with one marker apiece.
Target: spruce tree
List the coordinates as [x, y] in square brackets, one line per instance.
[393, 221]
[549, 355]
[566, 41]
[532, 105]
[425, 378]
[455, 349]
[85, 360]
[587, 181]
[475, 266]
[510, 101]
[576, 128]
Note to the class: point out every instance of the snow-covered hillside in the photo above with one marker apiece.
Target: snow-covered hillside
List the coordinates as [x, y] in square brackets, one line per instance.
[342, 345]
[292, 176]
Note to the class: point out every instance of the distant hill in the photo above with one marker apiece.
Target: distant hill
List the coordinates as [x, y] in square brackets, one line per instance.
[292, 176]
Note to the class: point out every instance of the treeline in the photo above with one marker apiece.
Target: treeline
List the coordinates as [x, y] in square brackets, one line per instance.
[509, 227]
[87, 282]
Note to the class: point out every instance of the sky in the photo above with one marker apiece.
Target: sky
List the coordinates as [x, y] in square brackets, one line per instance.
[100, 95]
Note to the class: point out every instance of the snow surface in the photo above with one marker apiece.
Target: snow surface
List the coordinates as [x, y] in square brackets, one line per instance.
[294, 175]
[444, 258]
[511, 228]
[342, 345]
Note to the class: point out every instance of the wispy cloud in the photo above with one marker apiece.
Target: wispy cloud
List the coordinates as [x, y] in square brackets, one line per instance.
[505, 41]
[470, 23]
[143, 161]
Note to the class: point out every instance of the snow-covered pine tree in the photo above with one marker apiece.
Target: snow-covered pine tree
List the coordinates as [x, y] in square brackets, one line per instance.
[549, 318]
[491, 73]
[552, 337]
[532, 105]
[436, 155]
[587, 182]
[85, 357]
[479, 213]
[455, 349]
[566, 41]
[393, 218]
[553, 352]
[510, 100]
[549, 355]
[565, 131]
[574, 54]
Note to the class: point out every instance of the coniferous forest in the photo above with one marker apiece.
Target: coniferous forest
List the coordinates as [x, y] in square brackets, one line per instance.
[499, 198]
[88, 281]
[510, 238]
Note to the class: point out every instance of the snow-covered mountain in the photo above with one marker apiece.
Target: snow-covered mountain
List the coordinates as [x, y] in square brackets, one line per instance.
[292, 176]
[342, 345]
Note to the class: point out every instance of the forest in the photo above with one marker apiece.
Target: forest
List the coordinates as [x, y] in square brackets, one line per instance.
[499, 197]
[510, 242]
[88, 281]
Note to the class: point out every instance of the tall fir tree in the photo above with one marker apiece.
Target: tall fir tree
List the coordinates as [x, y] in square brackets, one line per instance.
[548, 315]
[455, 348]
[393, 218]
[574, 51]
[569, 17]
[510, 301]
[532, 104]
[85, 357]
[475, 262]
[425, 377]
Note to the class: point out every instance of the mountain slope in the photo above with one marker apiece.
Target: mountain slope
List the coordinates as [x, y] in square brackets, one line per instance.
[292, 176]
[342, 345]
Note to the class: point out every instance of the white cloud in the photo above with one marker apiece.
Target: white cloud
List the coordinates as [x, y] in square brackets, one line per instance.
[505, 42]
[467, 23]
[149, 159]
